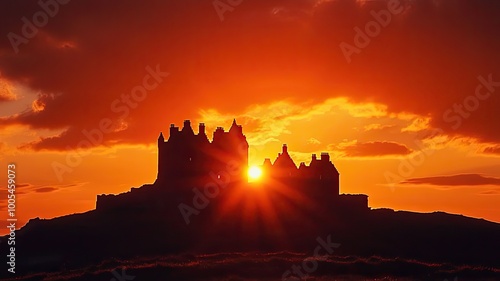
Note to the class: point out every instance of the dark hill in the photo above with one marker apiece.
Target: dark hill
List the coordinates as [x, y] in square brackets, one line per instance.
[256, 221]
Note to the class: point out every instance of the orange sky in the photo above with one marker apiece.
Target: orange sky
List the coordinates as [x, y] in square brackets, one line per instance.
[410, 118]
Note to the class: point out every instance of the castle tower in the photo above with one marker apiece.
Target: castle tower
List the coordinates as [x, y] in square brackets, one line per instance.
[161, 142]
[174, 131]
[187, 128]
[189, 157]
[232, 151]
[283, 165]
[325, 174]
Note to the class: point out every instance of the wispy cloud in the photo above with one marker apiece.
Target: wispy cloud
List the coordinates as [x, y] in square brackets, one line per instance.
[26, 188]
[495, 149]
[370, 149]
[377, 126]
[269, 121]
[490, 192]
[6, 91]
[313, 141]
[455, 180]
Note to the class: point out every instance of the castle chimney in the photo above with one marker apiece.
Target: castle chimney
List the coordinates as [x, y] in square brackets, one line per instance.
[173, 129]
[325, 156]
[218, 133]
[201, 129]
[314, 157]
[187, 128]
[285, 149]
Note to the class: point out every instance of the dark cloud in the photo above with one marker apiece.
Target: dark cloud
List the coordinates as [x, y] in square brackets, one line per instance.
[427, 59]
[25, 188]
[376, 148]
[455, 180]
[4, 97]
[490, 192]
[45, 189]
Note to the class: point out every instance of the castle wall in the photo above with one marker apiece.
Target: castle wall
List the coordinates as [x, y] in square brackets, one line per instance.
[353, 202]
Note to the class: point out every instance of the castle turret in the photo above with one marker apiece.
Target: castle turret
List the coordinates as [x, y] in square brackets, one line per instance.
[283, 165]
[173, 131]
[235, 128]
[161, 143]
[187, 127]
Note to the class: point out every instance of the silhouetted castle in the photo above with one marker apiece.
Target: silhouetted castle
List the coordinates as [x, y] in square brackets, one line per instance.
[186, 156]
[320, 181]
[320, 172]
[188, 160]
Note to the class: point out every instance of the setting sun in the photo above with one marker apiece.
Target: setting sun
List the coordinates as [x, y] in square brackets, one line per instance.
[254, 173]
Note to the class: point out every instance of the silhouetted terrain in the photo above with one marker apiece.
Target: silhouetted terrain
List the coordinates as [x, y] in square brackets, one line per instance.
[375, 243]
[194, 224]
[266, 266]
